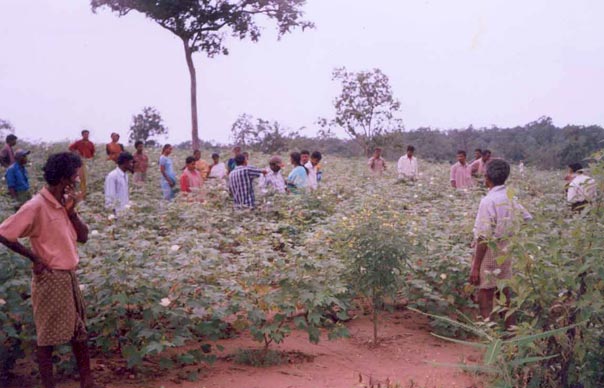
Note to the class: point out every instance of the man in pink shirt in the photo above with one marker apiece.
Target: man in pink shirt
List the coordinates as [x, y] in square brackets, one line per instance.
[479, 166]
[498, 219]
[53, 227]
[461, 174]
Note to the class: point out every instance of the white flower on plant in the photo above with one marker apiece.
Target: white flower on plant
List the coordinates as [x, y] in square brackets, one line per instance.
[111, 217]
[344, 218]
[496, 271]
[419, 185]
[363, 269]
[532, 257]
[2, 302]
[450, 195]
[443, 276]
[174, 248]
[127, 206]
[94, 232]
[82, 287]
[165, 302]
[538, 247]
[415, 196]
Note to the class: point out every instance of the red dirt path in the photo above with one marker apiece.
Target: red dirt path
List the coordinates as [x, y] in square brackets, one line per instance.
[405, 355]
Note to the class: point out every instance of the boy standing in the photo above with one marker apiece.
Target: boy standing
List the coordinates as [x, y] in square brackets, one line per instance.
[52, 224]
[497, 220]
[201, 165]
[240, 183]
[114, 148]
[85, 148]
[376, 163]
[217, 169]
[7, 156]
[312, 166]
[116, 183]
[141, 163]
[17, 179]
[191, 179]
[461, 174]
[407, 166]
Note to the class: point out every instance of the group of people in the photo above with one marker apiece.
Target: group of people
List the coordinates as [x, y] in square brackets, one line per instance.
[237, 174]
[305, 175]
[497, 217]
[51, 222]
[463, 174]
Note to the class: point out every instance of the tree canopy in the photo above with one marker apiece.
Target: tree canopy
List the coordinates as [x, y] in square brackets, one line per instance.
[204, 25]
[366, 107]
[147, 125]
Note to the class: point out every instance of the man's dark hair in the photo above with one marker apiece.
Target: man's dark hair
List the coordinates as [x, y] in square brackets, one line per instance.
[486, 153]
[124, 157]
[575, 166]
[316, 155]
[190, 159]
[61, 165]
[10, 138]
[411, 148]
[498, 171]
[215, 155]
[461, 152]
[478, 150]
[165, 147]
[240, 160]
[85, 131]
[196, 150]
[305, 152]
[137, 143]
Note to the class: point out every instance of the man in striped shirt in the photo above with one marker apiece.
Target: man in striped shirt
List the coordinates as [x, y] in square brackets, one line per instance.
[241, 183]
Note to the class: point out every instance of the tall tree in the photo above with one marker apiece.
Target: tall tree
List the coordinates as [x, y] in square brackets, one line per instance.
[147, 125]
[203, 25]
[366, 108]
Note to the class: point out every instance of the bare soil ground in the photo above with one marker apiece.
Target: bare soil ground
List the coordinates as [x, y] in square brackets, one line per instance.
[406, 355]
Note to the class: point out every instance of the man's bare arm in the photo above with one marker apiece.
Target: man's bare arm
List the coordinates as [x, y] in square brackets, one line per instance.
[17, 247]
[80, 227]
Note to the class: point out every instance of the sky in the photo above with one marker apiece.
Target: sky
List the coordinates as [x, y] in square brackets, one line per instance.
[450, 63]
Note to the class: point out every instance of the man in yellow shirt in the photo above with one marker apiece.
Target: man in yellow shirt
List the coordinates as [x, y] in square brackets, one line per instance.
[201, 165]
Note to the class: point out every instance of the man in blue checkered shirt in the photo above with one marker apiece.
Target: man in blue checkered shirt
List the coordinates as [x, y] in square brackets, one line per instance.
[241, 183]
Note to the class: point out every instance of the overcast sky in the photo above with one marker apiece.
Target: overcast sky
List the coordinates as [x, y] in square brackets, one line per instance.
[451, 64]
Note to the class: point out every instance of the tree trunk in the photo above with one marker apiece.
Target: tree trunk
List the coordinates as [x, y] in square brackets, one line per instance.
[194, 127]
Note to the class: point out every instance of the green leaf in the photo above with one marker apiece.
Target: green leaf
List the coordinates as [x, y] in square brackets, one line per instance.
[492, 352]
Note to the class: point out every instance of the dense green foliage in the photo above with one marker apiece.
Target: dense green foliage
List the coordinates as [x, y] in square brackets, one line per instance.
[164, 275]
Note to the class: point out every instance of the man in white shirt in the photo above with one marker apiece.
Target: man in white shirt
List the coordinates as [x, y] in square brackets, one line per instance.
[116, 183]
[581, 189]
[217, 169]
[407, 166]
[312, 166]
[273, 180]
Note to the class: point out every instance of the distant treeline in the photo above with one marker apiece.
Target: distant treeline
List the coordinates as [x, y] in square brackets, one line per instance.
[540, 143]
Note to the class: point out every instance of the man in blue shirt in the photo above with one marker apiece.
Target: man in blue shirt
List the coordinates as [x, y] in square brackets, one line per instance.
[17, 179]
